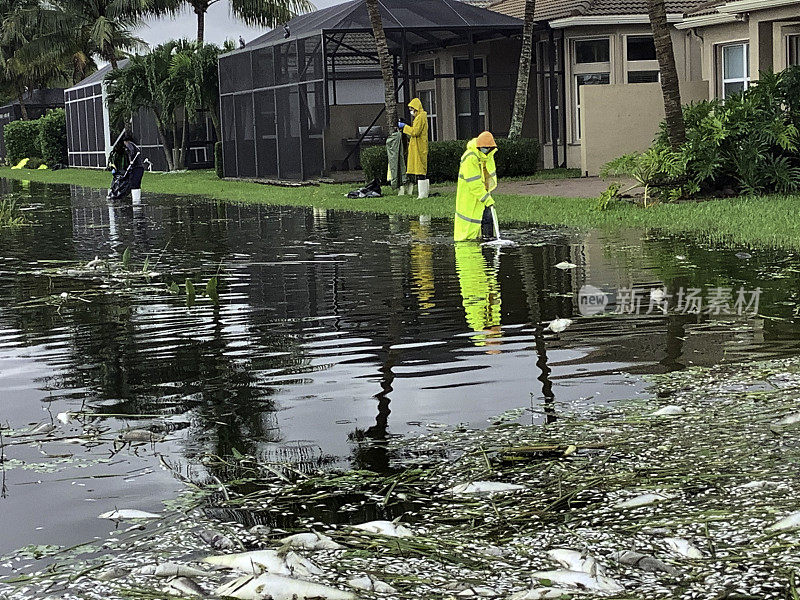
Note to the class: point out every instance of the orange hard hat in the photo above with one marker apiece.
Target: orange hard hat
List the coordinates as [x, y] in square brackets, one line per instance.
[486, 140]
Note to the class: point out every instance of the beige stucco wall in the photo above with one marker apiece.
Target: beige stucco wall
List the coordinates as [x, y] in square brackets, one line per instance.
[618, 119]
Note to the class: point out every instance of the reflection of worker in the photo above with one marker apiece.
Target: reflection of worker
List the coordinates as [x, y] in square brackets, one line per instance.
[477, 178]
[417, 149]
[480, 292]
[422, 266]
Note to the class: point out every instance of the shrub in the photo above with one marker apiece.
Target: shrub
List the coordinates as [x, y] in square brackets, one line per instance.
[747, 144]
[22, 140]
[218, 167]
[514, 158]
[53, 137]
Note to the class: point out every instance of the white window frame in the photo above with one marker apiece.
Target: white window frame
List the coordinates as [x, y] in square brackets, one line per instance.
[635, 66]
[788, 45]
[721, 66]
[599, 68]
[545, 88]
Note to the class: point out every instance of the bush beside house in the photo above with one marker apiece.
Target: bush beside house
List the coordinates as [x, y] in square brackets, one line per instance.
[514, 158]
[41, 140]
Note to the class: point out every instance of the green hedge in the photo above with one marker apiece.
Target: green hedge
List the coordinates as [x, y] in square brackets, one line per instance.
[22, 141]
[514, 158]
[53, 137]
[218, 167]
[44, 139]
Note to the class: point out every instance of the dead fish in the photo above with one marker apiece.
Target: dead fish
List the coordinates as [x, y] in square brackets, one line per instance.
[301, 567]
[479, 591]
[669, 411]
[276, 587]
[139, 435]
[787, 421]
[544, 593]
[183, 586]
[744, 255]
[43, 429]
[576, 561]
[683, 547]
[658, 295]
[787, 523]
[310, 541]
[254, 562]
[93, 264]
[387, 528]
[485, 487]
[559, 325]
[112, 574]
[128, 513]
[169, 569]
[642, 500]
[370, 584]
[581, 580]
[259, 530]
[64, 417]
[756, 485]
[564, 265]
[216, 540]
[645, 562]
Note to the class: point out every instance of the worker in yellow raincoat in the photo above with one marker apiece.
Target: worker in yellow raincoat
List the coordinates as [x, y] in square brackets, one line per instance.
[417, 150]
[477, 179]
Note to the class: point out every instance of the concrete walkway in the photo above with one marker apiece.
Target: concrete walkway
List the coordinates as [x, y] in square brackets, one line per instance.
[575, 187]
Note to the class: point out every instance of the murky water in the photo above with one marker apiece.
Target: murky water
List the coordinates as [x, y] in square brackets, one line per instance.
[333, 332]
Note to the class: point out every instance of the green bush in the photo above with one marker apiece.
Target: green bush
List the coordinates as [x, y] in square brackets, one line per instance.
[514, 158]
[53, 137]
[746, 144]
[22, 141]
[218, 167]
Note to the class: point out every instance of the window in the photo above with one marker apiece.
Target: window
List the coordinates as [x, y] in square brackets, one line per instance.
[464, 124]
[735, 69]
[591, 64]
[793, 50]
[424, 71]
[641, 63]
[428, 99]
[551, 106]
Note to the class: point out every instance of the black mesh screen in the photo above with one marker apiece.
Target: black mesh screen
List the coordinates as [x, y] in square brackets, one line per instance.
[228, 137]
[245, 135]
[266, 138]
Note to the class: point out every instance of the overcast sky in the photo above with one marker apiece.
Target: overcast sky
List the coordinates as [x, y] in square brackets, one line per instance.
[219, 25]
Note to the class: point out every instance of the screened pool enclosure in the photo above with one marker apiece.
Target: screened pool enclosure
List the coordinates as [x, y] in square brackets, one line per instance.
[303, 99]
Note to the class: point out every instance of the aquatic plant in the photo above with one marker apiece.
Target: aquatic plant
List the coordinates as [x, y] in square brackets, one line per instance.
[9, 213]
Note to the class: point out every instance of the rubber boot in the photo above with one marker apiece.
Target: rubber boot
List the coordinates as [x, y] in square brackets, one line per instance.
[401, 191]
[136, 196]
[410, 189]
[423, 188]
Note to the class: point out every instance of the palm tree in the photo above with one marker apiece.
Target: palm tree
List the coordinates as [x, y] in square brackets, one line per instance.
[266, 13]
[382, 46]
[523, 76]
[676, 128]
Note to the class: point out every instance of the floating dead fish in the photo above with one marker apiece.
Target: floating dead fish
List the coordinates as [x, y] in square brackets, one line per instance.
[479, 591]
[669, 411]
[485, 487]
[579, 579]
[573, 560]
[387, 528]
[543, 593]
[276, 587]
[139, 435]
[564, 265]
[787, 421]
[43, 429]
[259, 530]
[254, 562]
[301, 567]
[169, 569]
[645, 562]
[559, 325]
[311, 541]
[642, 500]
[744, 255]
[658, 295]
[217, 540]
[183, 586]
[97, 262]
[127, 514]
[756, 485]
[112, 574]
[64, 417]
[787, 523]
[683, 547]
[370, 584]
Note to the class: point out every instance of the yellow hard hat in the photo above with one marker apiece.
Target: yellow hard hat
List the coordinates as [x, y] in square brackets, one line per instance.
[486, 140]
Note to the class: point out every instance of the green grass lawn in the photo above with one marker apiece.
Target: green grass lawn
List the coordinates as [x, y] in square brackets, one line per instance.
[762, 222]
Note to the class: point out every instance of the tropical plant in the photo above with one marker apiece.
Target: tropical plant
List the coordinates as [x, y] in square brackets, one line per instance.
[264, 13]
[9, 213]
[387, 73]
[669, 73]
[523, 76]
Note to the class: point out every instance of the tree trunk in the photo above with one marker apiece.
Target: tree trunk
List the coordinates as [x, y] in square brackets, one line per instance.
[113, 60]
[676, 128]
[22, 108]
[201, 24]
[164, 142]
[390, 94]
[523, 77]
[216, 123]
[185, 140]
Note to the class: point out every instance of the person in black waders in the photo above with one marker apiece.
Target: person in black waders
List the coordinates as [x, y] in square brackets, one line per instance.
[134, 156]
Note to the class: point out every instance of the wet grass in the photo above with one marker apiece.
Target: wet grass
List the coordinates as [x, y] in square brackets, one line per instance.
[752, 221]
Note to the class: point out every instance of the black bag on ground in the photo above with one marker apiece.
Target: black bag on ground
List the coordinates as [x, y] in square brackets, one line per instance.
[371, 190]
[120, 185]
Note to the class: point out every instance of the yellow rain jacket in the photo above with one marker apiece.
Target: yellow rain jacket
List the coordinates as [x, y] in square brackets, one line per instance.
[480, 292]
[418, 144]
[477, 179]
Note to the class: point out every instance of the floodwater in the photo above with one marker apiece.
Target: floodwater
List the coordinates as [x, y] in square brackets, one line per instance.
[333, 332]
